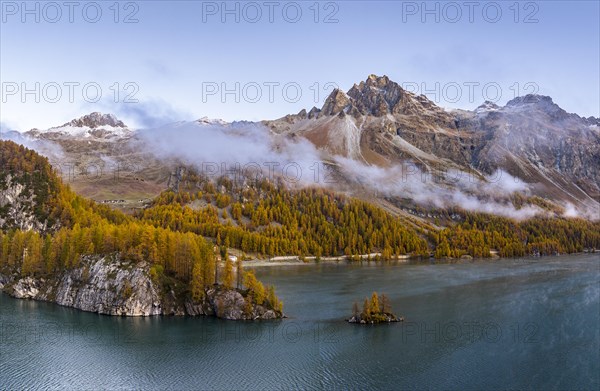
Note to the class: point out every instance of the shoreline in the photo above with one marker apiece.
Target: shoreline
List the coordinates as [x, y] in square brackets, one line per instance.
[405, 259]
[312, 260]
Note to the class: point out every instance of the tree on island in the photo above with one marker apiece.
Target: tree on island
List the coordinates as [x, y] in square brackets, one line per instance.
[375, 303]
[257, 293]
[366, 312]
[256, 288]
[375, 310]
[273, 300]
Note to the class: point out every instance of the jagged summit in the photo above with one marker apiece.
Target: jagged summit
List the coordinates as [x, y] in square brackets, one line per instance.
[337, 102]
[93, 126]
[96, 120]
[377, 96]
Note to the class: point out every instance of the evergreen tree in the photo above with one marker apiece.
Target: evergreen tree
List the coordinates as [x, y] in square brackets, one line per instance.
[255, 287]
[374, 306]
[197, 284]
[228, 274]
[366, 311]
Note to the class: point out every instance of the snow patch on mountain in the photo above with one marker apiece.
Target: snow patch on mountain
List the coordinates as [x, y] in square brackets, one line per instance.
[212, 121]
[94, 126]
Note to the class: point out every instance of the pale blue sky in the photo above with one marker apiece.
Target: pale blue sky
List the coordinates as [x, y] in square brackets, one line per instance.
[172, 56]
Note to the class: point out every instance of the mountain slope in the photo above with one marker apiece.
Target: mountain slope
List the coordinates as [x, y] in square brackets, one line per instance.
[28, 190]
[379, 142]
[57, 246]
[379, 124]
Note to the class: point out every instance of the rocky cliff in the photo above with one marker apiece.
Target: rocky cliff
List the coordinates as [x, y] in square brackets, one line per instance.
[17, 206]
[111, 286]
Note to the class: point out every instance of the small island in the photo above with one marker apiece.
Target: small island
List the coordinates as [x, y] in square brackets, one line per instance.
[374, 311]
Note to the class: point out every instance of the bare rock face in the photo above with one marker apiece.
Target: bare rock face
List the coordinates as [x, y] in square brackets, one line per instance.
[17, 204]
[105, 286]
[111, 286]
[378, 96]
[229, 304]
[198, 309]
[337, 102]
[534, 139]
[313, 113]
[108, 287]
[83, 134]
[3, 280]
[26, 288]
[95, 120]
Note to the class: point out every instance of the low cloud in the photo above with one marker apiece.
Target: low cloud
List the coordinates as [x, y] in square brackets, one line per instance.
[455, 188]
[245, 144]
[232, 146]
[47, 148]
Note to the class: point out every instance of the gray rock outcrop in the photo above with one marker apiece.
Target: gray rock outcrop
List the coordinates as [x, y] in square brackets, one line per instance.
[18, 202]
[111, 286]
[229, 304]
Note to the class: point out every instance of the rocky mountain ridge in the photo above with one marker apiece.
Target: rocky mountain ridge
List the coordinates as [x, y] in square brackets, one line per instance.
[380, 124]
[95, 120]
[377, 123]
[93, 127]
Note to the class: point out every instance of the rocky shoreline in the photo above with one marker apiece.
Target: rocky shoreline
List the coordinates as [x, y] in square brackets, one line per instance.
[387, 318]
[111, 286]
[376, 310]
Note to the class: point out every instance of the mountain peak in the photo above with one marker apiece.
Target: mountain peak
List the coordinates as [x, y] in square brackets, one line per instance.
[486, 107]
[377, 96]
[530, 99]
[336, 102]
[540, 103]
[95, 120]
[378, 81]
[94, 125]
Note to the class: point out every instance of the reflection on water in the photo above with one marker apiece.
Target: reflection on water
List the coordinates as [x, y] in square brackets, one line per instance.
[498, 324]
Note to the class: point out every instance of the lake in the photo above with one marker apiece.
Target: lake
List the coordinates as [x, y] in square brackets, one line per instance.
[513, 323]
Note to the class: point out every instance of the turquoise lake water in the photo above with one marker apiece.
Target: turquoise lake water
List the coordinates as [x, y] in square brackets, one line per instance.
[519, 323]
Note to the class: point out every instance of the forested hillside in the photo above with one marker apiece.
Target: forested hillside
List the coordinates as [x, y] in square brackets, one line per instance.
[79, 227]
[480, 233]
[266, 218]
[271, 220]
[179, 232]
